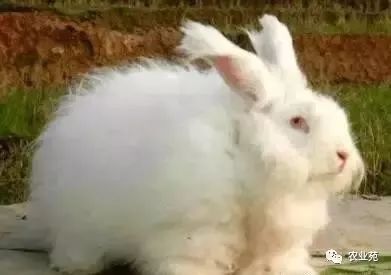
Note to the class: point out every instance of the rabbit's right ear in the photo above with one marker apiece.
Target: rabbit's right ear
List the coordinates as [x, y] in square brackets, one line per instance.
[274, 45]
[243, 71]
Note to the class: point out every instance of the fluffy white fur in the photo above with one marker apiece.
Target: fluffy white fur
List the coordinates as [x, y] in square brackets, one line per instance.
[183, 172]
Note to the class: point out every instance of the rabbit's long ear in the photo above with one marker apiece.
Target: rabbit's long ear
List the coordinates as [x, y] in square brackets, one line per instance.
[274, 45]
[242, 70]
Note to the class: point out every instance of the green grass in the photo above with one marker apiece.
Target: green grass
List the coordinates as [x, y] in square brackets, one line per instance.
[366, 5]
[23, 115]
[383, 266]
[369, 110]
[315, 18]
[15, 158]
[228, 20]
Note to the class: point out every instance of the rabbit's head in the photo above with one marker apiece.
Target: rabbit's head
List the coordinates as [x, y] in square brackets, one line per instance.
[272, 84]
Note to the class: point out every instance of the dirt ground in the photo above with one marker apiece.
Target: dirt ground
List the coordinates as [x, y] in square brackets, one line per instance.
[40, 49]
[356, 225]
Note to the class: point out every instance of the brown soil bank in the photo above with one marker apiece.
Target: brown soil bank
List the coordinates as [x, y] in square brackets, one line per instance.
[41, 49]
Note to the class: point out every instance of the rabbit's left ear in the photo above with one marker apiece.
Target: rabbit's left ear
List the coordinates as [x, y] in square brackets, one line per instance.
[243, 71]
[274, 45]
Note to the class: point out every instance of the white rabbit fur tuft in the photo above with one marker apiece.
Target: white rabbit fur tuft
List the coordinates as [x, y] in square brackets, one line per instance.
[182, 173]
[274, 45]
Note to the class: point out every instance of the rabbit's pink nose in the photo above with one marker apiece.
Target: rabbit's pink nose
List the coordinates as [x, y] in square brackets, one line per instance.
[342, 155]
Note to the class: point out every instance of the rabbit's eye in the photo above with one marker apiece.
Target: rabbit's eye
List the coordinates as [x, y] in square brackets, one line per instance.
[300, 123]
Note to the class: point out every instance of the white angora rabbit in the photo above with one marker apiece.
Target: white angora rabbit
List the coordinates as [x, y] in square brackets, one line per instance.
[185, 172]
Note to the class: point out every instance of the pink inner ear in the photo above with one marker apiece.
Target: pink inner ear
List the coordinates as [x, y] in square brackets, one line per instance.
[226, 68]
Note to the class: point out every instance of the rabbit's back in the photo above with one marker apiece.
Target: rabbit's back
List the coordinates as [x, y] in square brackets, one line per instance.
[136, 148]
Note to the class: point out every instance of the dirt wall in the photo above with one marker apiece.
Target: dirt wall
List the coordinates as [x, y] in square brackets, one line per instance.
[42, 49]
